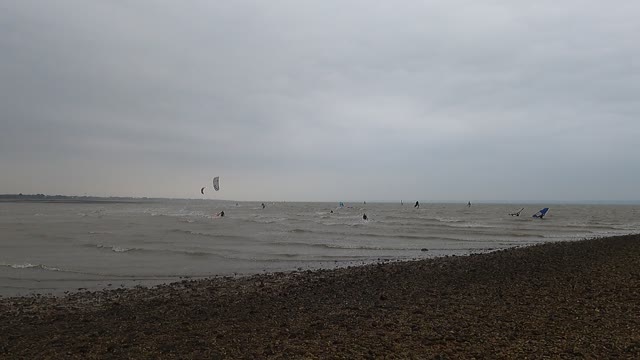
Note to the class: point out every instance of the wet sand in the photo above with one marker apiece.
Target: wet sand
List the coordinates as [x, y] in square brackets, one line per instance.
[557, 300]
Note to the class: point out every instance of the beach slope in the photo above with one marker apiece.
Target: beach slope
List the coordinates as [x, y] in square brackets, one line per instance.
[558, 300]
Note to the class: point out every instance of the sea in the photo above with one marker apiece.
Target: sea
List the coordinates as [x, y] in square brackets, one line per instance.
[60, 247]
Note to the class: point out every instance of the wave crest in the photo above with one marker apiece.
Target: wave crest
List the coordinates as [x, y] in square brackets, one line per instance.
[31, 266]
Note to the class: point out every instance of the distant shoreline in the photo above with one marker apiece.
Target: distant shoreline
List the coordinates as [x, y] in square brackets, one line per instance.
[40, 198]
[73, 199]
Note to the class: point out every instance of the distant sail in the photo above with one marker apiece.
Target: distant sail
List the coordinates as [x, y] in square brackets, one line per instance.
[517, 213]
[216, 183]
[540, 214]
[202, 191]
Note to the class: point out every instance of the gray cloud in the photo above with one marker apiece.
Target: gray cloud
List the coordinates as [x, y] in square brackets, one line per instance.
[335, 100]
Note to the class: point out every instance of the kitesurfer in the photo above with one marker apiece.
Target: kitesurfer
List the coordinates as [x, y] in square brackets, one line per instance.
[517, 213]
[263, 205]
[364, 217]
[222, 213]
[417, 205]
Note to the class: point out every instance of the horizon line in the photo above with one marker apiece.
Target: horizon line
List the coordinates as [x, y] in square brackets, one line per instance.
[441, 201]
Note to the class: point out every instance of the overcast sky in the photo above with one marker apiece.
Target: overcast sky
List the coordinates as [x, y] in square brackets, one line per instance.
[326, 100]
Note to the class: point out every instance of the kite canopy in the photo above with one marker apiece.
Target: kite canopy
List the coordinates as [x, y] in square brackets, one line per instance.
[216, 183]
[202, 191]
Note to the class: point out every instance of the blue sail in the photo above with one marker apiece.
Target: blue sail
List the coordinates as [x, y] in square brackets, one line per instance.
[540, 214]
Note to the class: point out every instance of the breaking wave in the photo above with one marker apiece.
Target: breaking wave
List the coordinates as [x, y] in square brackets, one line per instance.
[32, 266]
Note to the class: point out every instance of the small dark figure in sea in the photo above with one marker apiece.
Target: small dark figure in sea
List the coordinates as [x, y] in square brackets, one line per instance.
[364, 217]
[332, 211]
[263, 205]
[417, 205]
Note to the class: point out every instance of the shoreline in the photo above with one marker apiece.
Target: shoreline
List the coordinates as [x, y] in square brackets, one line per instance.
[561, 299]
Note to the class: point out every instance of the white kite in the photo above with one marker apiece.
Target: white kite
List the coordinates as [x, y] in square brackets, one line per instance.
[216, 183]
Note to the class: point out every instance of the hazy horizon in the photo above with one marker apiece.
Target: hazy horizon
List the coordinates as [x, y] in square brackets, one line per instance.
[349, 202]
[449, 101]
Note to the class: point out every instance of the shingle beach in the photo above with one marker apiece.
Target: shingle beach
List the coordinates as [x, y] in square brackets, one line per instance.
[557, 300]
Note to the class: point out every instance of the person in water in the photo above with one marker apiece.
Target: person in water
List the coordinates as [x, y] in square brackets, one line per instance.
[263, 205]
[364, 217]
[221, 213]
[417, 205]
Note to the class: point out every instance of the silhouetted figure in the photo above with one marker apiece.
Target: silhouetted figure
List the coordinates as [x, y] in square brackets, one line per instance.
[222, 213]
[364, 217]
[469, 204]
[417, 205]
[263, 205]
[517, 213]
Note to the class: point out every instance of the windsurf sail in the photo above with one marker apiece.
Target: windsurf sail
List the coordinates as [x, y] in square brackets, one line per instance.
[540, 214]
[516, 213]
[202, 191]
[216, 183]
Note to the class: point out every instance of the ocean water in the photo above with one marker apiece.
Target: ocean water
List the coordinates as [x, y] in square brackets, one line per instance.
[57, 247]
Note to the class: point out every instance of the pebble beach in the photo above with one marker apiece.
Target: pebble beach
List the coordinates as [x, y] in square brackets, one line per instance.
[578, 299]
